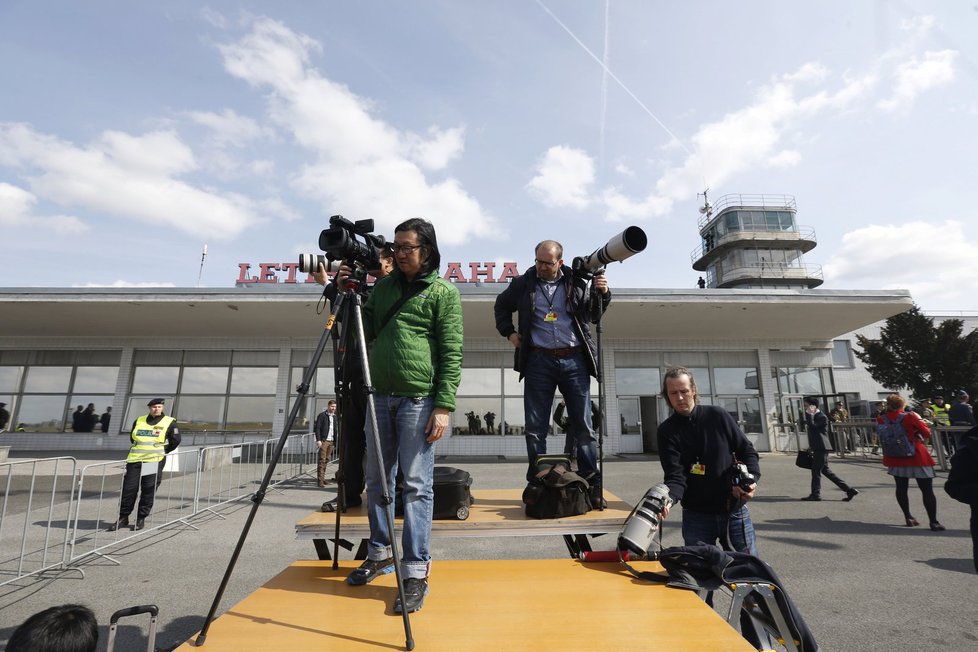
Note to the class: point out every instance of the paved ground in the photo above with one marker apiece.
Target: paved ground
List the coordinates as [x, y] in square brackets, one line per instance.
[861, 579]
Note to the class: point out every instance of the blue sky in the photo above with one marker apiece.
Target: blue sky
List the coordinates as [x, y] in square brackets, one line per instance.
[134, 133]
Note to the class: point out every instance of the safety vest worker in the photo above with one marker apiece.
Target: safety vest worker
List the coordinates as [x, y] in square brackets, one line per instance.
[939, 408]
[149, 441]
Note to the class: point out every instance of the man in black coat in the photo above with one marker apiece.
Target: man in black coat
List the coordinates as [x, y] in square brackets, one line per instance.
[818, 443]
[962, 482]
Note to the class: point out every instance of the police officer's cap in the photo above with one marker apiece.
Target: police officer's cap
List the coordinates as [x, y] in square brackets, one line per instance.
[156, 401]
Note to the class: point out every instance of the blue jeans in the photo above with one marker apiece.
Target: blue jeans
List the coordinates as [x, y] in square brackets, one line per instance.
[543, 376]
[735, 527]
[401, 422]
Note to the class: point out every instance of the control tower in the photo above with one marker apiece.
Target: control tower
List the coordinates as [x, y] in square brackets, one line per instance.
[754, 242]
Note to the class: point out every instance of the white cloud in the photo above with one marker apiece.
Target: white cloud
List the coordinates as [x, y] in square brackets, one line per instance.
[914, 76]
[228, 128]
[907, 256]
[17, 209]
[130, 177]
[364, 165]
[564, 176]
[437, 153]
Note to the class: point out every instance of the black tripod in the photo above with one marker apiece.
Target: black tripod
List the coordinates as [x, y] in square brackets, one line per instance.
[355, 300]
[596, 310]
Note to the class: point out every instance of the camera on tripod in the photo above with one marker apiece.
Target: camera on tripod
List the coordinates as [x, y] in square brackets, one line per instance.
[640, 527]
[624, 245]
[340, 243]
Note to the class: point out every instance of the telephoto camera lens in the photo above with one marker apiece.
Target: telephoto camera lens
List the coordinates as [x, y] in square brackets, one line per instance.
[309, 263]
[640, 528]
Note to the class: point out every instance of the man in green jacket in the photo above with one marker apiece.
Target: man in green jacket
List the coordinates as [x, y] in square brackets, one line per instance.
[415, 368]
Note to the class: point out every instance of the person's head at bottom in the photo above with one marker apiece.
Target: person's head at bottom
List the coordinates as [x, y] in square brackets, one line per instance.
[65, 628]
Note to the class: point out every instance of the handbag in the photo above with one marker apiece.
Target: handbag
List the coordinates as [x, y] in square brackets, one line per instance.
[804, 460]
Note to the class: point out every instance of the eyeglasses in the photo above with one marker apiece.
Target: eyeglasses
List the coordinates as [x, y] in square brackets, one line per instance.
[408, 249]
[546, 263]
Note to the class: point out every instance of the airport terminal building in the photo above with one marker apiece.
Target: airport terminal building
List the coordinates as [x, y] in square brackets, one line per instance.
[758, 337]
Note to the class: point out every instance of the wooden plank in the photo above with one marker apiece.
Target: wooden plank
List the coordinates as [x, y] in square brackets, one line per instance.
[496, 512]
[475, 605]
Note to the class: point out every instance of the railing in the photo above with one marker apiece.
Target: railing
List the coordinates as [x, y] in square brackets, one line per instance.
[84, 503]
[786, 202]
[806, 233]
[769, 271]
[37, 499]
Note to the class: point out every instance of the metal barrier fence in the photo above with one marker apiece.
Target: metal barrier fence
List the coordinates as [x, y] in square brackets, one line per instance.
[34, 516]
[858, 436]
[78, 506]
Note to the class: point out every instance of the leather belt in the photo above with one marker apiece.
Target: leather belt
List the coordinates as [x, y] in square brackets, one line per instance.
[560, 353]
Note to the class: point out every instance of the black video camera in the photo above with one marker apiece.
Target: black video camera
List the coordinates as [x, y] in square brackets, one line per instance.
[340, 242]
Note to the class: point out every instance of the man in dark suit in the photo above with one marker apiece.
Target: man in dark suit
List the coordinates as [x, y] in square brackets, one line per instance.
[818, 442]
[325, 430]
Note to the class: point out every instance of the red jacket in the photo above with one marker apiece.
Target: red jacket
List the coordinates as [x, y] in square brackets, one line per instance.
[914, 426]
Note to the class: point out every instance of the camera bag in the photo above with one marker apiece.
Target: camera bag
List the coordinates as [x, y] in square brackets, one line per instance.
[556, 491]
[453, 494]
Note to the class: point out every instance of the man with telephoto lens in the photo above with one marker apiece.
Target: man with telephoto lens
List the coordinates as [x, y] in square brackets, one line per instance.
[698, 447]
[353, 412]
[414, 320]
[554, 350]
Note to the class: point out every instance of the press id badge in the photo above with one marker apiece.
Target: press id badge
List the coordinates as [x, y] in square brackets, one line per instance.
[550, 316]
[697, 469]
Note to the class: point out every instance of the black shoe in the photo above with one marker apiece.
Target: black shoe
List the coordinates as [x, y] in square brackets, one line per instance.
[121, 523]
[812, 498]
[369, 570]
[415, 589]
[850, 494]
[140, 523]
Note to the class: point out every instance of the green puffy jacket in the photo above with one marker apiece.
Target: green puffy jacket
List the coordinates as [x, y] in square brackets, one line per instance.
[419, 351]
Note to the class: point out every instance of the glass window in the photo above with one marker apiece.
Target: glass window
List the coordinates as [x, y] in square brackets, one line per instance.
[799, 380]
[511, 383]
[47, 380]
[476, 416]
[842, 354]
[250, 412]
[41, 413]
[100, 401]
[479, 382]
[99, 380]
[155, 380]
[638, 381]
[204, 380]
[200, 412]
[322, 381]
[10, 378]
[735, 380]
[253, 380]
[629, 410]
[514, 417]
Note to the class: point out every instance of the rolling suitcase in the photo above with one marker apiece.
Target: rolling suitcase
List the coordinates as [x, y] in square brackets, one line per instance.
[153, 612]
[453, 494]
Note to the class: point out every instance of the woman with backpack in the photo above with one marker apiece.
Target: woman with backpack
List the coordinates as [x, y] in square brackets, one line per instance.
[902, 435]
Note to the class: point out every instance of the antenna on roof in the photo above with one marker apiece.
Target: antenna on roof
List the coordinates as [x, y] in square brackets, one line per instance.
[705, 209]
[203, 255]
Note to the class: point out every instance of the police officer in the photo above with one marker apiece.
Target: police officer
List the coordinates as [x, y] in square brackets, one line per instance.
[153, 436]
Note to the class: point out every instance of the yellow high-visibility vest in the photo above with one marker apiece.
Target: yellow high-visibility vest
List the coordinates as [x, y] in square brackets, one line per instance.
[148, 440]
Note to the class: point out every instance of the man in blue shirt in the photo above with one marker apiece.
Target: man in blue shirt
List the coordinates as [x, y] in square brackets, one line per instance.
[554, 350]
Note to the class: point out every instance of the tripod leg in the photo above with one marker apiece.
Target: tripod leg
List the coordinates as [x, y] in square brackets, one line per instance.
[259, 495]
[381, 468]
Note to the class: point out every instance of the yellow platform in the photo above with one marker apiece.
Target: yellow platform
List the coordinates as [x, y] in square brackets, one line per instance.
[475, 605]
